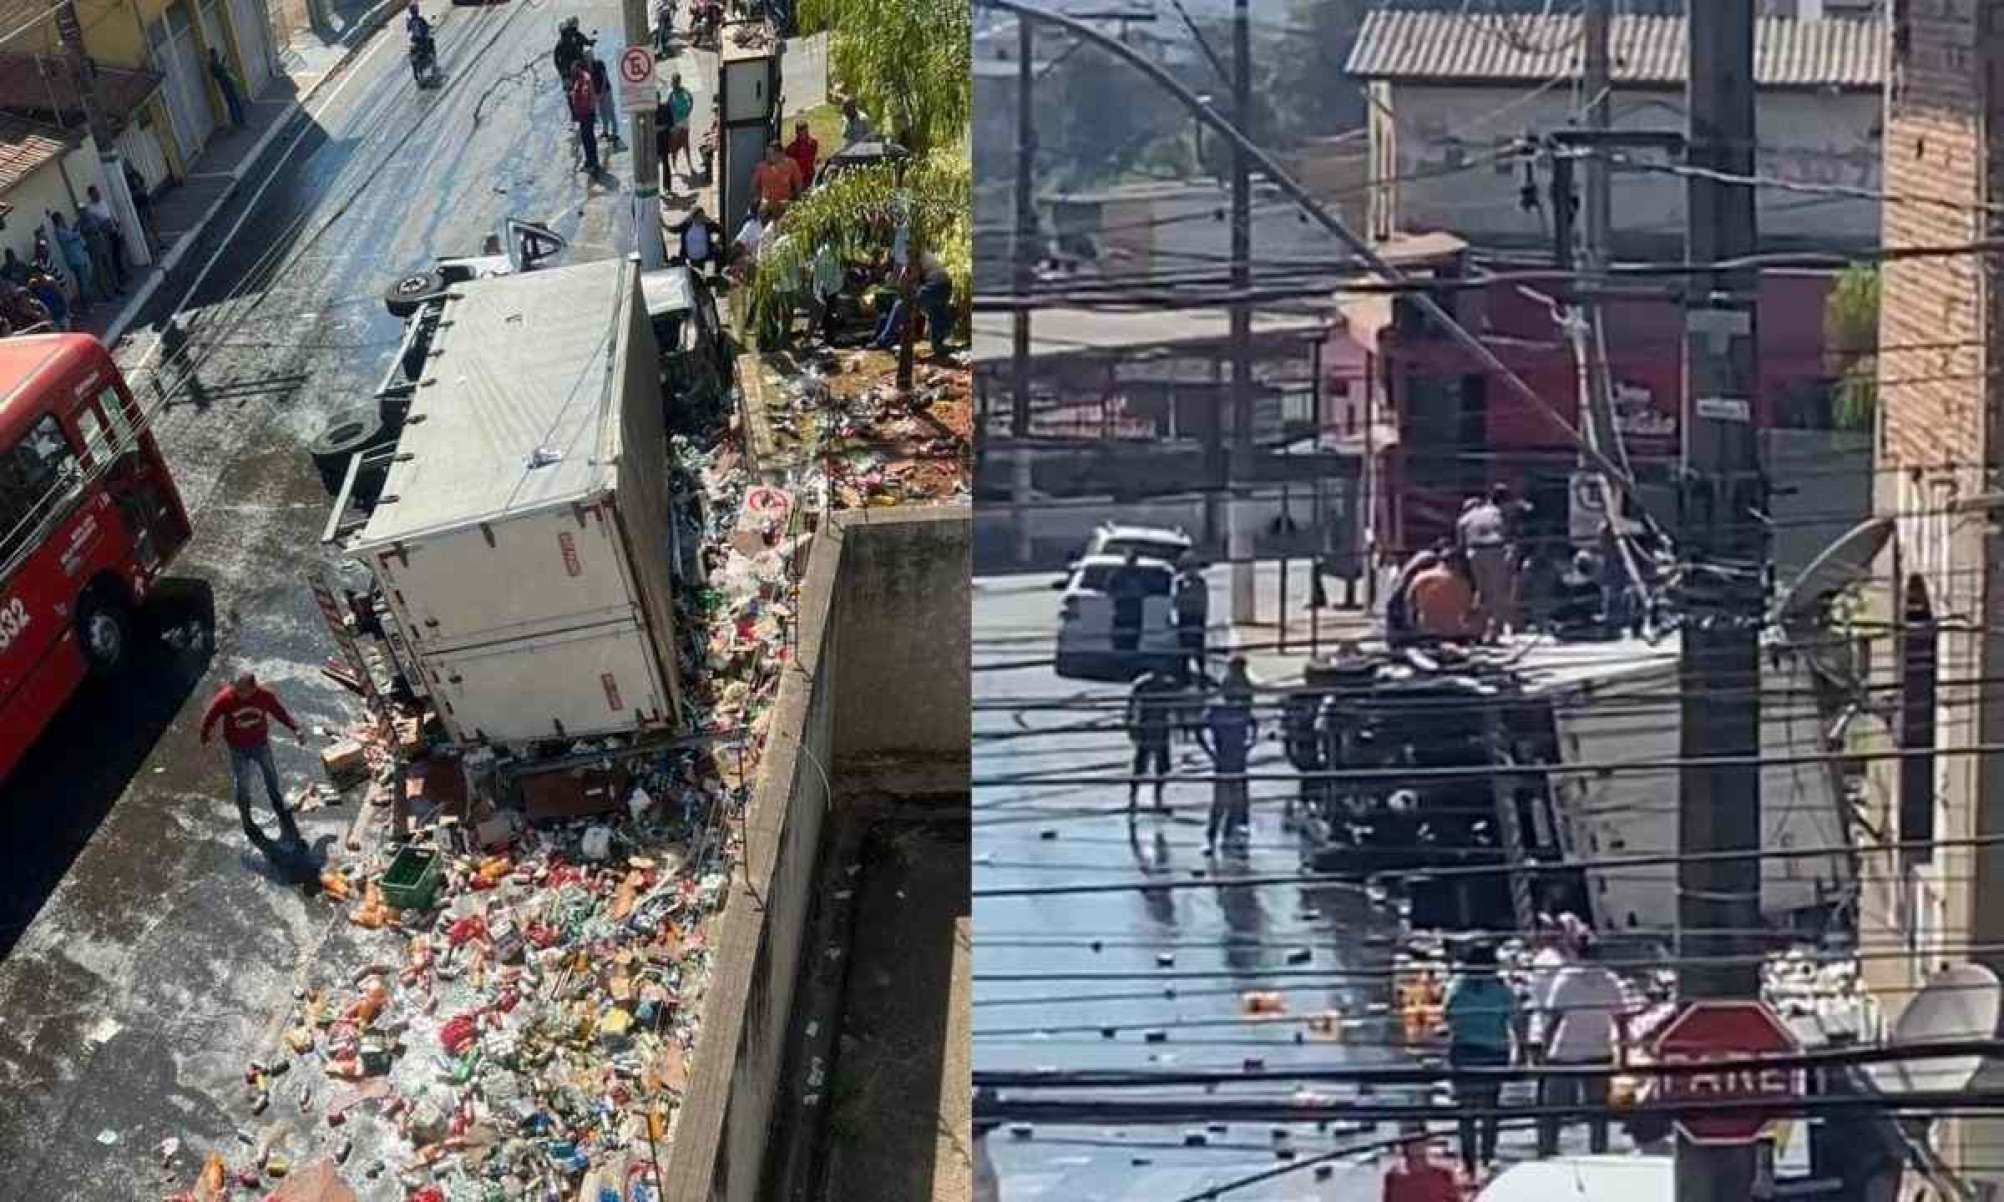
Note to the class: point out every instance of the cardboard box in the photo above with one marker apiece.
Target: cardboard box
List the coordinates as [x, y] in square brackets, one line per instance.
[346, 762]
[573, 794]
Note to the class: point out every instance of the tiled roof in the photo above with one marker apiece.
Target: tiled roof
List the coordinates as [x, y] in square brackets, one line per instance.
[37, 83]
[25, 147]
[1471, 47]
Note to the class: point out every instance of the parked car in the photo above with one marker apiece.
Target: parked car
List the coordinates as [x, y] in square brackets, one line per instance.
[520, 246]
[1086, 649]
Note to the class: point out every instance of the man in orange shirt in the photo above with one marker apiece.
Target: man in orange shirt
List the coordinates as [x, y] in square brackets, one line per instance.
[776, 179]
[1443, 602]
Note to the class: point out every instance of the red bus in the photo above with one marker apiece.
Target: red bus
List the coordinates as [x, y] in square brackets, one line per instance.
[89, 518]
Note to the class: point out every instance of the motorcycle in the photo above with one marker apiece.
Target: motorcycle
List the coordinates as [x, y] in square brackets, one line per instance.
[424, 62]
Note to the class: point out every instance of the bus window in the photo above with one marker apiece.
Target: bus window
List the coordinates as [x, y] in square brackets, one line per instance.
[98, 442]
[31, 473]
[113, 408]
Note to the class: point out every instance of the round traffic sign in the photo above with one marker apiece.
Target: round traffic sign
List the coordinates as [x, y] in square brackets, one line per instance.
[1725, 1031]
[636, 64]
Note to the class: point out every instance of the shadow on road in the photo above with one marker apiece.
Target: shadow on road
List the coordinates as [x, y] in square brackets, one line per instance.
[76, 772]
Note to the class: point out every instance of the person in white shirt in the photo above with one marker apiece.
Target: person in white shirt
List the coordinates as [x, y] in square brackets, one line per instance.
[1587, 1025]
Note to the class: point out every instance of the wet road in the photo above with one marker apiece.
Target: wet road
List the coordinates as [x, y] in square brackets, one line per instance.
[159, 955]
[1181, 959]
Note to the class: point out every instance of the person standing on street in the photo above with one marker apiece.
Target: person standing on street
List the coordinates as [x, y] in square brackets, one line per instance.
[680, 106]
[608, 112]
[1481, 1014]
[1228, 736]
[100, 212]
[584, 111]
[245, 709]
[1129, 590]
[142, 203]
[1482, 534]
[97, 244]
[1190, 597]
[77, 256]
[1150, 707]
[226, 83]
[1586, 1027]
[1414, 1177]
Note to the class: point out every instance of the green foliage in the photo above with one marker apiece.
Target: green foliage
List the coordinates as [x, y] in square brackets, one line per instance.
[1851, 334]
[908, 63]
[856, 213]
[1314, 97]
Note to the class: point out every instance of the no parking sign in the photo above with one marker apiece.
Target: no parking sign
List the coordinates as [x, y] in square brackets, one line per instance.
[636, 78]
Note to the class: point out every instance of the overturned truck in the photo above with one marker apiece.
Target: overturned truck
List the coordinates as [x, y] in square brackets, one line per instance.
[1551, 766]
[516, 561]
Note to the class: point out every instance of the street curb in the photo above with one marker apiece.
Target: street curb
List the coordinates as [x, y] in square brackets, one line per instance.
[367, 28]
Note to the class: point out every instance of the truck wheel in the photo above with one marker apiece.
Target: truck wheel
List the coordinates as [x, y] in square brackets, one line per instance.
[347, 434]
[104, 631]
[406, 295]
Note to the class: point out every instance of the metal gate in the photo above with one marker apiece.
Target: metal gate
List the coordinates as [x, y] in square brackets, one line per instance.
[173, 38]
[247, 21]
[142, 150]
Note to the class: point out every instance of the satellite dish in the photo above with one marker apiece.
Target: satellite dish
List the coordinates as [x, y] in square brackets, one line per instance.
[1836, 566]
[1958, 1003]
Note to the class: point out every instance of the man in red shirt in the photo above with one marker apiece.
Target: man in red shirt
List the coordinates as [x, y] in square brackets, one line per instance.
[802, 150]
[1415, 1177]
[245, 710]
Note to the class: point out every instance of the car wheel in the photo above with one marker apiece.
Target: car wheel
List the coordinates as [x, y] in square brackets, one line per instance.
[348, 434]
[408, 294]
[104, 631]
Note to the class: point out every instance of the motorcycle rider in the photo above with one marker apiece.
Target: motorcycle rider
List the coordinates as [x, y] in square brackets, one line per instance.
[571, 47]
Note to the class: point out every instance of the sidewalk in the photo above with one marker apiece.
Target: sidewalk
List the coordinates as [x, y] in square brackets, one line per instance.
[183, 212]
[1275, 650]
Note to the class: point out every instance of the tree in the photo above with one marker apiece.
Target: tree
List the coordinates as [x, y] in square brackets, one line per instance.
[909, 66]
[1851, 338]
[1315, 97]
[855, 214]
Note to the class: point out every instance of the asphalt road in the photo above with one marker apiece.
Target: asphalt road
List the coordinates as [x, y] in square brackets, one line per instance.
[151, 954]
[1231, 937]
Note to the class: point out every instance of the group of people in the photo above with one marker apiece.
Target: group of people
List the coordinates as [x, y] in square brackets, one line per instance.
[1575, 1021]
[1465, 588]
[587, 91]
[73, 265]
[1159, 708]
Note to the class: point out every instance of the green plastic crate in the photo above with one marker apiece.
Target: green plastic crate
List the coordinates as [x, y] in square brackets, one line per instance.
[412, 880]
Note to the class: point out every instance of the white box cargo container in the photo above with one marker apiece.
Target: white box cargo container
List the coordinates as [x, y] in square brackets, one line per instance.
[521, 539]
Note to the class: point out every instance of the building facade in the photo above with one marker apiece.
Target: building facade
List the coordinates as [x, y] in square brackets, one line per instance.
[1934, 588]
[1454, 94]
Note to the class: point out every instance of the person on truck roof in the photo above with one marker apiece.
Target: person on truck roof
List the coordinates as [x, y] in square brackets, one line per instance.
[244, 709]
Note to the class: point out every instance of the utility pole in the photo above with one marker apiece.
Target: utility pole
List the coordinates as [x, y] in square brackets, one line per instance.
[90, 89]
[646, 166]
[1022, 249]
[1238, 516]
[1724, 544]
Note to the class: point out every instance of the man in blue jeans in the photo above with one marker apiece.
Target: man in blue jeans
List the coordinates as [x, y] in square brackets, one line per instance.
[245, 709]
[1228, 734]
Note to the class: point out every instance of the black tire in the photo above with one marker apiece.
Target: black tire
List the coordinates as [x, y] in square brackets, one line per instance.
[347, 434]
[104, 632]
[407, 295]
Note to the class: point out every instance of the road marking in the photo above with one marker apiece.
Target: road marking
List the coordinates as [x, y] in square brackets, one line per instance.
[354, 72]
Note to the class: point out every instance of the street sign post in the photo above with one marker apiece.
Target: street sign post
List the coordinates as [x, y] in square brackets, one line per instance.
[636, 78]
[1726, 1030]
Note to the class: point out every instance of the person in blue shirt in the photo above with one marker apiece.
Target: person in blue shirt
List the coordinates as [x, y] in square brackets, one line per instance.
[1228, 735]
[1482, 1021]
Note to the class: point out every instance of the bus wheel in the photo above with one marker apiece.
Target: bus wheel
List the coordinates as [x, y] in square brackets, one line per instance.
[105, 629]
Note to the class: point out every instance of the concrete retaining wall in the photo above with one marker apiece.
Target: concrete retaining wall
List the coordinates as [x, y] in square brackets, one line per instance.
[881, 675]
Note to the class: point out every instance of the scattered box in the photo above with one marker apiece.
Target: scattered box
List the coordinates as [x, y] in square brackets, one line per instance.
[346, 762]
[576, 794]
